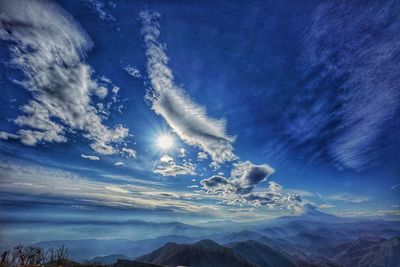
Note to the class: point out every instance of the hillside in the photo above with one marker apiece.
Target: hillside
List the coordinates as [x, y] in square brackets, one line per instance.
[205, 253]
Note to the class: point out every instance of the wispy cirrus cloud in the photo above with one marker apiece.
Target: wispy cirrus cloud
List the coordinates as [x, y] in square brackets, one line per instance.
[394, 187]
[350, 60]
[48, 46]
[186, 118]
[347, 197]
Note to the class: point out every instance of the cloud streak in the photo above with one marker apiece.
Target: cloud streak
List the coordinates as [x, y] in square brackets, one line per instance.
[187, 119]
[90, 157]
[33, 180]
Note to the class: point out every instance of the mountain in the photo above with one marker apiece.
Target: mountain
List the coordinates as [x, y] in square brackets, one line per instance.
[108, 260]
[81, 250]
[129, 263]
[314, 243]
[238, 236]
[370, 252]
[311, 213]
[261, 254]
[344, 230]
[205, 253]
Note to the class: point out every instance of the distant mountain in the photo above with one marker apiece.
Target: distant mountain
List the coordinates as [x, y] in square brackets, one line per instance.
[205, 253]
[310, 213]
[81, 250]
[344, 230]
[261, 254]
[238, 236]
[316, 244]
[370, 252]
[108, 260]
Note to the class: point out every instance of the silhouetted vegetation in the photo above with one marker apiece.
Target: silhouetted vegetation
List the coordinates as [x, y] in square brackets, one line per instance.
[35, 256]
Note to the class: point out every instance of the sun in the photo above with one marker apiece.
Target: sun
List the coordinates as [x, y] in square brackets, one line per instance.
[165, 142]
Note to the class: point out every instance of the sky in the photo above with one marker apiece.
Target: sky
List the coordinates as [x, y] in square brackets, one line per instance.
[194, 111]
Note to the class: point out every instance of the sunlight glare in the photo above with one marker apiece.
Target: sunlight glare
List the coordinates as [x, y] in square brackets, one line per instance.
[165, 142]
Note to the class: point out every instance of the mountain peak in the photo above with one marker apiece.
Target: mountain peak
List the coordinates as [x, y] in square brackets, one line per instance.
[207, 243]
[310, 212]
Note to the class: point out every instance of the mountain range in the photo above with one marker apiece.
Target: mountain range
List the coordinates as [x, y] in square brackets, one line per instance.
[310, 239]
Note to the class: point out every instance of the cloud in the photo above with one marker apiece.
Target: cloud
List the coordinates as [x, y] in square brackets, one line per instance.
[325, 206]
[98, 7]
[186, 118]
[119, 163]
[48, 46]
[239, 188]
[59, 186]
[394, 187]
[167, 167]
[303, 193]
[346, 197]
[182, 152]
[90, 157]
[350, 101]
[129, 151]
[133, 72]
[192, 187]
[6, 136]
[376, 213]
[215, 166]
[201, 156]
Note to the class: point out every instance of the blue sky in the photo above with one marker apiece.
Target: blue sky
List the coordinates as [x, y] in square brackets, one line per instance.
[198, 111]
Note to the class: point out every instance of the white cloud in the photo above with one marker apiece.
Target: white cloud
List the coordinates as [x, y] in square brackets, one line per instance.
[187, 119]
[168, 167]
[90, 157]
[192, 187]
[98, 7]
[215, 166]
[239, 188]
[50, 52]
[119, 163]
[376, 213]
[201, 156]
[133, 72]
[182, 152]
[303, 193]
[6, 136]
[129, 151]
[325, 206]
